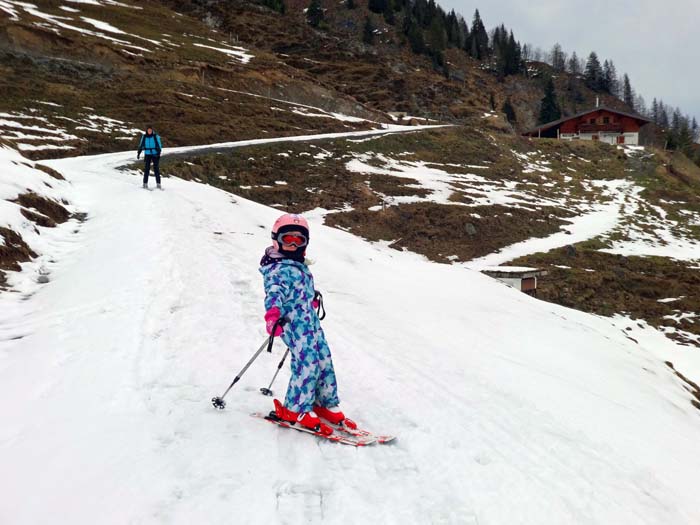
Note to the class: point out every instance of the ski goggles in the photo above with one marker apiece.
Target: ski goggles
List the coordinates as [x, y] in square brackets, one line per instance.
[294, 239]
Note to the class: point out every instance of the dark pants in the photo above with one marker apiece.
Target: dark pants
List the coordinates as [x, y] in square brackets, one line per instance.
[147, 168]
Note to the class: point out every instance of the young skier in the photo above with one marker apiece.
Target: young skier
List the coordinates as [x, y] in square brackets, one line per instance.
[290, 293]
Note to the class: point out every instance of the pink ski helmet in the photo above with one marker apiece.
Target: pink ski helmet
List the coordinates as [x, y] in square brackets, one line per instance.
[290, 222]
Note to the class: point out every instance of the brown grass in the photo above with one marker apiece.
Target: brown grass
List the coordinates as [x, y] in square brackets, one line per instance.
[13, 251]
[49, 213]
[606, 284]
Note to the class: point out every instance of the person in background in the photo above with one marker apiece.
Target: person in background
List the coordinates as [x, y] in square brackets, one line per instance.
[151, 145]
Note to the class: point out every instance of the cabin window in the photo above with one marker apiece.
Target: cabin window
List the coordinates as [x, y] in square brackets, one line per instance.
[606, 120]
[592, 121]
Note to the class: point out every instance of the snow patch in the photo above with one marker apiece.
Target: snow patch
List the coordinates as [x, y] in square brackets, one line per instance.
[238, 53]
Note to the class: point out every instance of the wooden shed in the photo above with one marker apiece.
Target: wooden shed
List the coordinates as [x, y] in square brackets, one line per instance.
[519, 277]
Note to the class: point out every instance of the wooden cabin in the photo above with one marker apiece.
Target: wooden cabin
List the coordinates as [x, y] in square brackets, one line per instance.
[602, 123]
[520, 278]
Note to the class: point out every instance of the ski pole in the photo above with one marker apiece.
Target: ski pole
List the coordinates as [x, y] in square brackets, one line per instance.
[267, 391]
[218, 401]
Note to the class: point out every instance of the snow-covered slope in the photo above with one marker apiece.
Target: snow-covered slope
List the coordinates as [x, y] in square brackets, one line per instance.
[508, 410]
[24, 188]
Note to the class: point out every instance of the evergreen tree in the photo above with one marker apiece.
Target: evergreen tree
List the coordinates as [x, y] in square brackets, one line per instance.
[275, 5]
[680, 135]
[464, 35]
[573, 66]
[674, 131]
[514, 57]
[509, 111]
[480, 38]
[377, 6]
[605, 79]
[388, 13]
[437, 37]
[314, 14]
[627, 94]
[368, 32]
[549, 108]
[655, 111]
[695, 130]
[663, 116]
[452, 28]
[437, 41]
[414, 34]
[506, 53]
[419, 11]
[431, 13]
[499, 40]
[685, 136]
[610, 78]
[593, 75]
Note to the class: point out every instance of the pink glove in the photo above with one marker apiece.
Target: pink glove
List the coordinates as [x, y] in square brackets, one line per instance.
[271, 317]
[316, 302]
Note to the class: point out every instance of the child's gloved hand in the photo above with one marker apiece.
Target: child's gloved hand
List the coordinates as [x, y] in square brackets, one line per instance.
[271, 317]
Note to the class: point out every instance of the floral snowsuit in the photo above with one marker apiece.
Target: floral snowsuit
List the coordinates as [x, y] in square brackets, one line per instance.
[289, 286]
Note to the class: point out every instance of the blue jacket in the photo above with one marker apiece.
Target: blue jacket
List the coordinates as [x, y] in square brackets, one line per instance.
[150, 144]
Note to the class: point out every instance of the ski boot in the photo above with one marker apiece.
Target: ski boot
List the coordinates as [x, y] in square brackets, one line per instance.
[334, 416]
[305, 419]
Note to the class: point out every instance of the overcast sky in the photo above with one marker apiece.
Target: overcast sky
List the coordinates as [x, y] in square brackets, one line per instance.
[654, 41]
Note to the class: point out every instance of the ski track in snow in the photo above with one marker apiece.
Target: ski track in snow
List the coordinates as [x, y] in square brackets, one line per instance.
[507, 409]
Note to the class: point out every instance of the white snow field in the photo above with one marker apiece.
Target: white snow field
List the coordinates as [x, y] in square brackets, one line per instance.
[508, 410]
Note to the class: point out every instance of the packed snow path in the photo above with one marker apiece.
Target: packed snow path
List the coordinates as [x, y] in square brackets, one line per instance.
[508, 410]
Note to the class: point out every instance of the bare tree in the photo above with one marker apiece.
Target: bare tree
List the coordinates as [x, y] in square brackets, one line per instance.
[640, 105]
[558, 58]
[538, 55]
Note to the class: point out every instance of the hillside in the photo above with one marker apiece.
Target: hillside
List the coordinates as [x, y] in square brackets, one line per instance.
[88, 78]
[507, 409]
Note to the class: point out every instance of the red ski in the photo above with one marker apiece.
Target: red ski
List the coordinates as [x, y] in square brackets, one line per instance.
[361, 433]
[345, 439]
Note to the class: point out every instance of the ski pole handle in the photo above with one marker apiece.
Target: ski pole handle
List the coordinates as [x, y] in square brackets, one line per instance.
[279, 323]
[320, 309]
